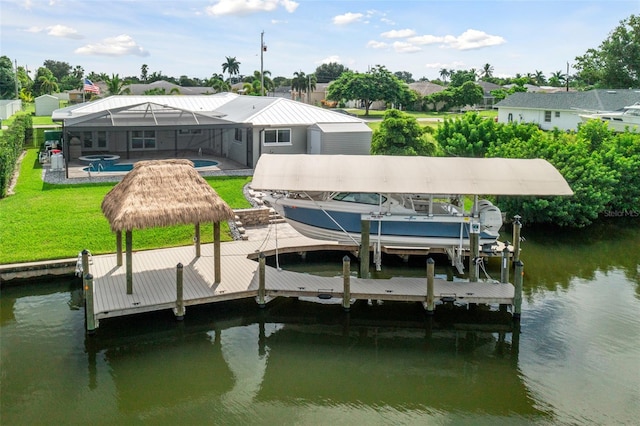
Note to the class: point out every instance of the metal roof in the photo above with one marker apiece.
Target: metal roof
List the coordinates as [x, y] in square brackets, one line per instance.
[592, 100]
[398, 174]
[259, 111]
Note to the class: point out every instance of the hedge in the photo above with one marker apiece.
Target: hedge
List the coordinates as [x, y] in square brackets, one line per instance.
[12, 142]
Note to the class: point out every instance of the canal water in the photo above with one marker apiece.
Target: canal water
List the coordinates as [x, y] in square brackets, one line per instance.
[574, 359]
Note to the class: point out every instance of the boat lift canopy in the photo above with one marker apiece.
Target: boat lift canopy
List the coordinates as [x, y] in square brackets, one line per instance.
[408, 175]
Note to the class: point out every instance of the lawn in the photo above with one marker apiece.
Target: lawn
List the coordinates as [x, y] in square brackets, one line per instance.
[43, 221]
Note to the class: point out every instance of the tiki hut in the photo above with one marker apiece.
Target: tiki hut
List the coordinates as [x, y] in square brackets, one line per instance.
[163, 193]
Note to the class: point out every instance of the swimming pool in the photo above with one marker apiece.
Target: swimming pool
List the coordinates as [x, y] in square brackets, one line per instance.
[126, 167]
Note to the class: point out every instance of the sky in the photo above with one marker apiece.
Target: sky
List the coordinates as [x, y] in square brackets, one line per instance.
[194, 37]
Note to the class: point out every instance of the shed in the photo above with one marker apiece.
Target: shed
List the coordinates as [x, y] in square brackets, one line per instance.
[163, 193]
[46, 104]
[339, 138]
[8, 107]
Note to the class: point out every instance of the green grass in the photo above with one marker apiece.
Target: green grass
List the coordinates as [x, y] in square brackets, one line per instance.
[43, 221]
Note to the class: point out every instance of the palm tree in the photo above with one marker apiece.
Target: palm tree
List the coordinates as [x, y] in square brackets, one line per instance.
[487, 71]
[444, 73]
[557, 79]
[539, 78]
[114, 84]
[299, 83]
[231, 65]
[48, 83]
[144, 72]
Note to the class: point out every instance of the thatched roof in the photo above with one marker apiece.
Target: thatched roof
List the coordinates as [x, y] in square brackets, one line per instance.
[163, 193]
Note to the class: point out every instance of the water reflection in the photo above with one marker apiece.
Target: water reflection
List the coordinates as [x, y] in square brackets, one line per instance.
[300, 354]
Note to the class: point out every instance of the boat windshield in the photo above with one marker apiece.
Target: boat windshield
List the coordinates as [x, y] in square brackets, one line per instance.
[360, 198]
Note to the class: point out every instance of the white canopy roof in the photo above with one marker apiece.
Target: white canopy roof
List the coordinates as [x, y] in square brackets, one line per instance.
[421, 175]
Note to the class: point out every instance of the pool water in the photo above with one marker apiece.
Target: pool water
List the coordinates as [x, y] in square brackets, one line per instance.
[126, 167]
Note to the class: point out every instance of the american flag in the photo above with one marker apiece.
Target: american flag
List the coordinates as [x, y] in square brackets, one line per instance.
[90, 87]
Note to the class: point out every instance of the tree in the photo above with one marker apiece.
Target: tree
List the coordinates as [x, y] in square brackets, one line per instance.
[400, 134]
[58, 69]
[144, 72]
[329, 72]
[232, 66]
[458, 78]
[616, 63]
[7, 79]
[114, 84]
[557, 79]
[299, 83]
[487, 71]
[539, 78]
[405, 76]
[376, 85]
[444, 74]
[46, 82]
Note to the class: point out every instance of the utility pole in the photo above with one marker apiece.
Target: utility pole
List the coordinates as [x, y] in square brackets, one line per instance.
[567, 76]
[263, 49]
[16, 79]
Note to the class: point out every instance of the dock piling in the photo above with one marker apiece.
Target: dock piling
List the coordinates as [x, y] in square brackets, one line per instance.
[216, 252]
[517, 226]
[90, 318]
[517, 282]
[504, 271]
[261, 279]
[430, 286]
[474, 245]
[179, 310]
[365, 226]
[346, 278]
[85, 268]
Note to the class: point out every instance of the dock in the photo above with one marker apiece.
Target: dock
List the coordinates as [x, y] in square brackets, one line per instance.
[155, 279]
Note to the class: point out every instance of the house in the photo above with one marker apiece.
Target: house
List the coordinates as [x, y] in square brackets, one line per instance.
[561, 109]
[46, 104]
[487, 98]
[229, 125]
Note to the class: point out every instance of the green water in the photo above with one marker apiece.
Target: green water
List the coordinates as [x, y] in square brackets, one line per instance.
[574, 360]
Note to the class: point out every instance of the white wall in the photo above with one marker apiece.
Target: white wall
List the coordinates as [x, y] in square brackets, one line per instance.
[568, 120]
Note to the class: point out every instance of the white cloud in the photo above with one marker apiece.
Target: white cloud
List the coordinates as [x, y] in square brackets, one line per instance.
[426, 39]
[470, 39]
[246, 7]
[330, 59]
[63, 31]
[121, 45]
[398, 33]
[439, 65]
[474, 39]
[347, 18]
[56, 31]
[404, 47]
[377, 44]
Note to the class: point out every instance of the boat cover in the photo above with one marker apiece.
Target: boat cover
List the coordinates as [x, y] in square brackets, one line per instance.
[409, 175]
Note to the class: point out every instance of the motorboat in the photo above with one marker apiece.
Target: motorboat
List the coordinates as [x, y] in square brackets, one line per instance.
[618, 121]
[406, 221]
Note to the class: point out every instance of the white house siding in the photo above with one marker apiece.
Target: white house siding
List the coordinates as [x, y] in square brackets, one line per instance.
[568, 120]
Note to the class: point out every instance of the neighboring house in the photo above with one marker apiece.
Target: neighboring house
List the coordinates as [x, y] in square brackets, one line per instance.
[229, 125]
[426, 88]
[165, 88]
[488, 100]
[46, 104]
[561, 109]
[8, 107]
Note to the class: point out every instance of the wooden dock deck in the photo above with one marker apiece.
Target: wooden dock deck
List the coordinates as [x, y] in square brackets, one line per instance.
[154, 279]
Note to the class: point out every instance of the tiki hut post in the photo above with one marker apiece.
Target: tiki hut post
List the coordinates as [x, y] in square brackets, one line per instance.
[216, 251]
[129, 249]
[197, 239]
[118, 248]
